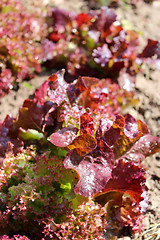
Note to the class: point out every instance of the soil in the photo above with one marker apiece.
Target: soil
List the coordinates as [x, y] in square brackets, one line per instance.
[146, 19]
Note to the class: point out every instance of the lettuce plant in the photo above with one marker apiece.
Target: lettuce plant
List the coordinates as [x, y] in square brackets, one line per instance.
[96, 44]
[70, 170]
[20, 49]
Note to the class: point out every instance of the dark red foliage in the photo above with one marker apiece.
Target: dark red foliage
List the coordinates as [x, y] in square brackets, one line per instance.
[128, 178]
[8, 137]
[20, 48]
[36, 116]
[125, 197]
[112, 143]
[91, 42]
[89, 151]
[151, 50]
[74, 90]
[96, 43]
[86, 124]
[93, 164]
[111, 135]
[62, 19]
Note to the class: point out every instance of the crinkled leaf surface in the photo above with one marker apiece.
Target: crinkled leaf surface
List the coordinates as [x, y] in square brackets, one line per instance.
[146, 146]
[102, 55]
[106, 98]
[131, 127]
[126, 177]
[86, 124]
[83, 141]
[125, 197]
[64, 136]
[93, 166]
[57, 91]
[95, 43]
[126, 139]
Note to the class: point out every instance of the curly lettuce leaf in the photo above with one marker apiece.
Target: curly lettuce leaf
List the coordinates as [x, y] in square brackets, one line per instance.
[93, 163]
[124, 197]
[64, 136]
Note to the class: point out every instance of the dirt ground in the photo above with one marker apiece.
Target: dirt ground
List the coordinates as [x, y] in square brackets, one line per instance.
[146, 19]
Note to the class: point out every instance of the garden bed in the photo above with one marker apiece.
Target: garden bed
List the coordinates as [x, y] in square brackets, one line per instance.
[146, 19]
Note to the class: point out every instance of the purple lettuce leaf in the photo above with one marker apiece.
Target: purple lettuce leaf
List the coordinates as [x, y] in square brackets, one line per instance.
[36, 116]
[93, 162]
[111, 135]
[92, 157]
[105, 97]
[104, 125]
[75, 89]
[127, 126]
[9, 139]
[64, 136]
